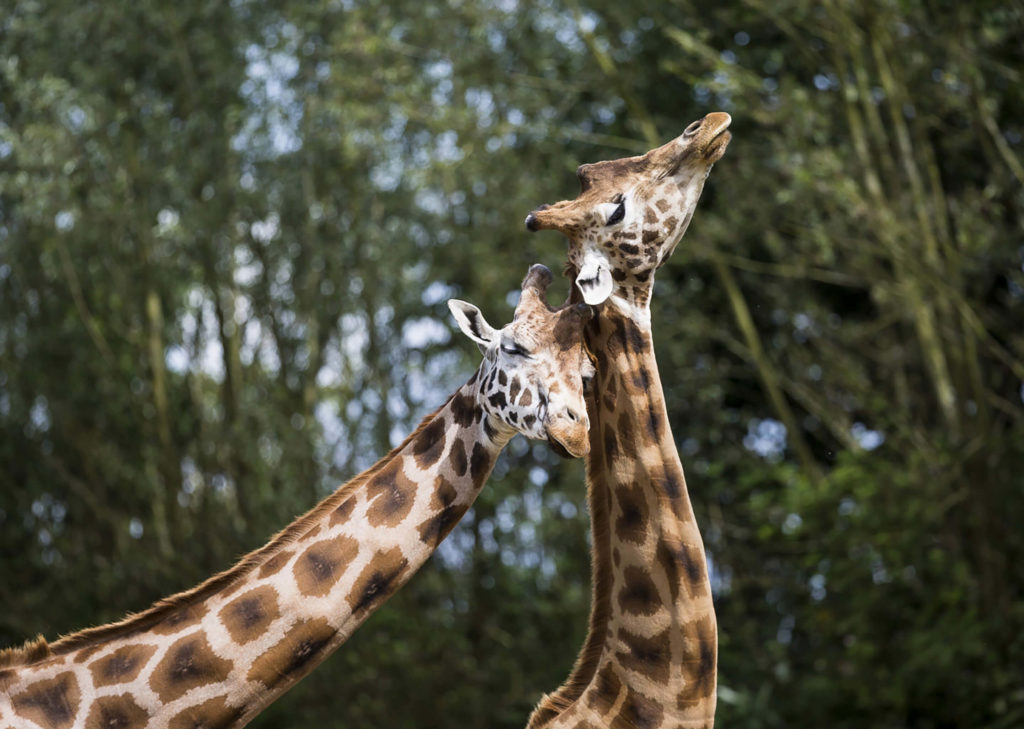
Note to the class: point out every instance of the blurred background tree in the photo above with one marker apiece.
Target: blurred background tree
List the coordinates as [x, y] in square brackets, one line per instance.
[228, 230]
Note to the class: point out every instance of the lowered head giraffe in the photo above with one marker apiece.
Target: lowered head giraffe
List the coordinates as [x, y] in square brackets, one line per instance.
[216, 655]
[650, 657]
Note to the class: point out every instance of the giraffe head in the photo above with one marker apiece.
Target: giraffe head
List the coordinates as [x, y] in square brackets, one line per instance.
[631, 212]
[534, 370]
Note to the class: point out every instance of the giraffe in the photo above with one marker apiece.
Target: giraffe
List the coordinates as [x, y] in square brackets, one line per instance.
[218, 654]
[650, 657]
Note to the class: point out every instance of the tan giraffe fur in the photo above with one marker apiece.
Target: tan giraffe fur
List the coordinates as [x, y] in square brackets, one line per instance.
[218, 654]
[649, 661]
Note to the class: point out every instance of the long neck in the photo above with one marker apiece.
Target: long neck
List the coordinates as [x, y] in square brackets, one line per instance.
[219, 654]
[651, 652]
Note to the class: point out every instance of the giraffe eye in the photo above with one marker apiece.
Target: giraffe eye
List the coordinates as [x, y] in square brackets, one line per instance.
[513, 349]
[618, 214]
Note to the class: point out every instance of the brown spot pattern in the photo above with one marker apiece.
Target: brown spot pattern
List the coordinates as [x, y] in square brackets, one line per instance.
[445, 513]
[344, 511]
[51, 703]
[480, 464]
[631, 523]
[378, 580]
[391, 495]
[116, 712]
[457, 458]
[274, 565]
[295, 655]
[638, 594]
[320, 567]
[648, 656]
[189, 662]
[638, 712]
[247, 616]
[608, 687]
[183, 618]
[122, 665]
[699, 675]
[429, 444]
[211, 714]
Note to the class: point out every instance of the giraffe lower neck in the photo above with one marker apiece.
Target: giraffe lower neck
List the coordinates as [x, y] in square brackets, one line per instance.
[219, 654]
[650, 656]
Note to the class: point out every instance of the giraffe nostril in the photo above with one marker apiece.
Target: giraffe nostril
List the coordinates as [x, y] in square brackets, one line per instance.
[692, 129]
[571, 414]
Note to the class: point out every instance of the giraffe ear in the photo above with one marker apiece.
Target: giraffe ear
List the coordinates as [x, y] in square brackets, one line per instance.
[472, 323]
[595, 279]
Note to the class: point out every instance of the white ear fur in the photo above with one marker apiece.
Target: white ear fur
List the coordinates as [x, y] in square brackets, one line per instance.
[595, 278]
[472, 322]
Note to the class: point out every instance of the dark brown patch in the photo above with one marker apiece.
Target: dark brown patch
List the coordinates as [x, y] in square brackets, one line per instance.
[298, 652]
[648, 656]
[52, 703]
[211, 714]
[608, 688]
[344, 512]
[88, 652]
[699, 670]
[635, 338]
[513, 390]
[526, 398]
[116, 712]
[480, 464]
[627, 436]
[671, 485]
[391, 495]
[642, 378]
[670, 223]
[650, 217]
[651, 235]
[655, 424]
[122, 665]
[445, 514]
[638, 712]
[381, 577]
[611, 443]
[464, 410]
[247, 616]
[188, 663]
[182, 618]
[662, 205]
[631, 523]
[322, 565]
[429, 444]
[273, 565]
[638, 594]
[457, 457]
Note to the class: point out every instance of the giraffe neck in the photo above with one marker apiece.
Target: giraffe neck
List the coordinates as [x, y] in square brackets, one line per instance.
[651, 651]
[219, 654]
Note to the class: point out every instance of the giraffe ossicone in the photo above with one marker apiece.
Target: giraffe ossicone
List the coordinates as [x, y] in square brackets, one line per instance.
[649, 659]
[218, 654]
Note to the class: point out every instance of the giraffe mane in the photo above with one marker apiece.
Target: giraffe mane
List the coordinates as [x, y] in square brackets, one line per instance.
[38, 649]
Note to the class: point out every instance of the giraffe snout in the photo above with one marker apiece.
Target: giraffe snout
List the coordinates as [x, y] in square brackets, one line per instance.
[569, 427]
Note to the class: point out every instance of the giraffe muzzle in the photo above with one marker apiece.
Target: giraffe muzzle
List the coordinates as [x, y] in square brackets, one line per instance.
[569, 431]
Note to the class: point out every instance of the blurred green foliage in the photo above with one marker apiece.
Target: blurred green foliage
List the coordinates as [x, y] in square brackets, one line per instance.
[227, 232]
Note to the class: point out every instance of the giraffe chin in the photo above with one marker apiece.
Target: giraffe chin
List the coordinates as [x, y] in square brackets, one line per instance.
[559, 449]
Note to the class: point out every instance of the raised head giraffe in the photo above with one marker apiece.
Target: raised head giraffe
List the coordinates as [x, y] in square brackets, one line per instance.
[216, 655]
[650, 657]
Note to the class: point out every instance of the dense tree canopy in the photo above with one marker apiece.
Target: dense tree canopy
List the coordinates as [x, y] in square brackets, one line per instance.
[228, 230]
